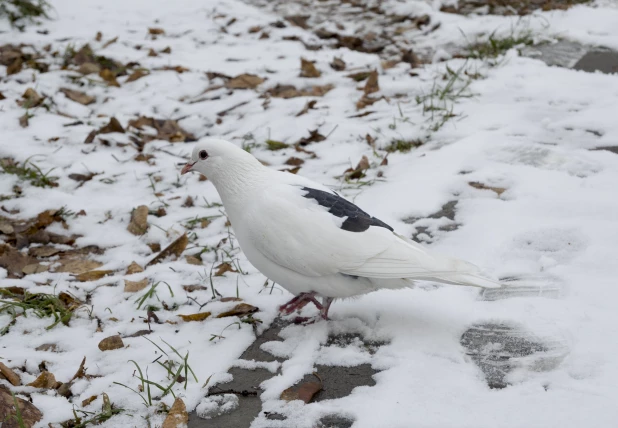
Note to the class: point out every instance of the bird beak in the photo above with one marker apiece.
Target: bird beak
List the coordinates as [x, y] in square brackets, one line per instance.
[187, 167]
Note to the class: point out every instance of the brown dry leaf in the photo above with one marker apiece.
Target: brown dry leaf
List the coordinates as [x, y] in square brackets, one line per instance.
[298, 20]
[70, 302]
[135, 286]
[92, 275]
[365, 101]
[230, 299]
[372, 85]
[113, 126]
[110, 42]
[9, 374]
[151, 52]
[192, 288]
[239, 310]
[24, 120]
[411, 58]
[308, 106]
[155, 247]
[244, 81]
[30, 415]
[77, 266]
[223, 268]
[290, 91]
[77, 96]
[192, 260]
[167, 129]
[89, 68]
[293, 161]
[42, 252]
[111, 343]
[89, 400]
[308, 69]
[177, 416]
[304, 391]
[34, 268]
[195, 317]
[134, 268]
[360, 76]
[177, 68]
[167, 50]
[139, 221]
[30, 99]
[358, 172]
[314, 137]
[14, 261]
[338, 64]
[136, 75]
[109, 77]
[15, 67]
[481, 186]
[175, 248]
[156, 31]
[52, 347]
[45, 380]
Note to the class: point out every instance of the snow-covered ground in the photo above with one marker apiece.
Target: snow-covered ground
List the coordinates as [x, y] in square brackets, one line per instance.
[520, 127]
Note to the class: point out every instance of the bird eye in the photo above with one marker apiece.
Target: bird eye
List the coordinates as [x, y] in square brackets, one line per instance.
[203, 154]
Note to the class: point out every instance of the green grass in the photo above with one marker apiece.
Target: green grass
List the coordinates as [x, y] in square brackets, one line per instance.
[30, 172]
[41, 305]
[404, 146]
[177, 369]
[496, 46]
[20, 12]
[107, 411]
[276, 145]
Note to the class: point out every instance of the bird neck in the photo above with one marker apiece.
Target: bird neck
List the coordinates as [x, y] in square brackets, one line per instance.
[238, 180]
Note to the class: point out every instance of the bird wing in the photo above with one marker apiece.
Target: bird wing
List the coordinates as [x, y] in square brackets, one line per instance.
[315, 232]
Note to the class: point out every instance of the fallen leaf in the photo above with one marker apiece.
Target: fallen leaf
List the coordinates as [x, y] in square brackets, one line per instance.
[113, 126]
[244, 81]
[294, 161]
[314, 137]
[51, 347]
[167, 129]
[89, 400]
[14, 261]
[30, 415]
[239, 310]
[193, 260]
[111, 343]
[308, 106]
[223, 268]
[230, 299]
[134, 286]
[481, 186]
[34, 268]
[358, 172]
[108, 76]
[24, 120]
[9, 374]
[77, 96]
[139, 221]
[298, 20]
[371, 85]
[151, 52]
[308, 69]
[30, 99]
[45, 380]
[290, 91]
[195, 317]
[89, 68]
[175, 248]
[177, 417]
[134, 268]
[93, 275]
[136, 75]
[156, 31]
[410, 57]
[304, 391]
[338, 64]
[365, 101]
[192, 288]
[167, 50]
[155, 247]
[77, 266]
[110, 42]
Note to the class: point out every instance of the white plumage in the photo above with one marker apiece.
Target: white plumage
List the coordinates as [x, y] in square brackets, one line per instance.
[308, 239]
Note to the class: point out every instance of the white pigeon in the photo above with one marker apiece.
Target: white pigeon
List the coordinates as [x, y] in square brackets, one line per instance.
[307, 238]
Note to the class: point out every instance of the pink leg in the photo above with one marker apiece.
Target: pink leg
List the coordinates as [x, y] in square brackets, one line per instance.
[299, 302]
[326, 302]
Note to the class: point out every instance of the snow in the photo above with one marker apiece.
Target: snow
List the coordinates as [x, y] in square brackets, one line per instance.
[526, 128]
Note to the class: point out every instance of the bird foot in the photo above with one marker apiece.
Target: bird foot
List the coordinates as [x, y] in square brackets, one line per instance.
[299, 302]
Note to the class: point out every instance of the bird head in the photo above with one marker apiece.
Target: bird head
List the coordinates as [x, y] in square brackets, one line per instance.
[217, 158]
